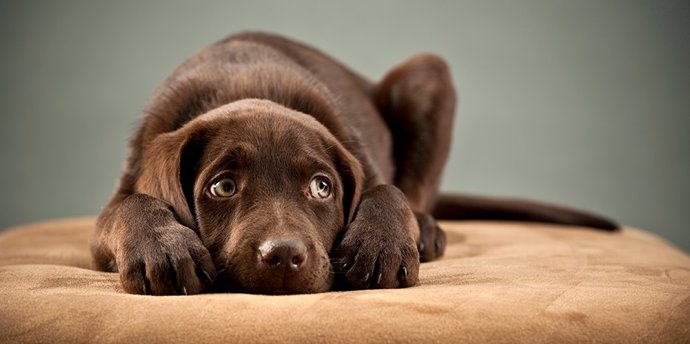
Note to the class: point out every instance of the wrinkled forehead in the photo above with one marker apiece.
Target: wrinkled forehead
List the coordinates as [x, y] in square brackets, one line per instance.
[254, 111]
[258, 130]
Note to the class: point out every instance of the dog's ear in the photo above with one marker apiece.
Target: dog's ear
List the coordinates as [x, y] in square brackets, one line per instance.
[352, 176]
[168, 171]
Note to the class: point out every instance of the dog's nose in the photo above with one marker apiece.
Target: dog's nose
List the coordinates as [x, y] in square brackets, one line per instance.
[288, 254]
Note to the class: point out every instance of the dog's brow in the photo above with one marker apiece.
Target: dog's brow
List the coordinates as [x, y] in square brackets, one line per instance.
[235, 155]
[310, 161]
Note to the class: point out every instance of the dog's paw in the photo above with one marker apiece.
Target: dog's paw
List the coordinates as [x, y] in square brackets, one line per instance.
[373, 261]
[378, 249]
[432, 239]
[165, 261]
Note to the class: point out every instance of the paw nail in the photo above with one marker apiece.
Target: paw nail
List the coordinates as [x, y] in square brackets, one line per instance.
[208, 277]
[378, 279]
[184, 291]
[403, 273]
[421, 247]
[366, 278]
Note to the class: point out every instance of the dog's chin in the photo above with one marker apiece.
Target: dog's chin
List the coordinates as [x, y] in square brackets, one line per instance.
[288, 286]
[269, 290]
[291, 291]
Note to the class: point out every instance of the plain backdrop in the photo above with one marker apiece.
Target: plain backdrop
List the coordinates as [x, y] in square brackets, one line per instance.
[583, 103]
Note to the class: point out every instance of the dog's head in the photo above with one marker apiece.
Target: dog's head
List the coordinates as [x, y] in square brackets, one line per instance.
[267, 189]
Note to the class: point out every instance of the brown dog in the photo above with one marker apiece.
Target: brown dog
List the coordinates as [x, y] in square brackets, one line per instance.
[264, 166]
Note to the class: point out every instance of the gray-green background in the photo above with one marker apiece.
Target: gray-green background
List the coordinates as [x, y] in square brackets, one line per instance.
[585, 103]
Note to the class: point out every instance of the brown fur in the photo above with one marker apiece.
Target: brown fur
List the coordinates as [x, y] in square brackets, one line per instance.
[275, 116]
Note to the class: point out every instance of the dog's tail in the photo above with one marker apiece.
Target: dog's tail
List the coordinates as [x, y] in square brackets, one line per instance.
[470, 207]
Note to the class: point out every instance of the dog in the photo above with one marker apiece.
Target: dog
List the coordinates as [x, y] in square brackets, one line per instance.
[264, 166]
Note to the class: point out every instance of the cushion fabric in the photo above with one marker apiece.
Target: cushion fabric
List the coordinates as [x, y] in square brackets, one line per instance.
[498, 283]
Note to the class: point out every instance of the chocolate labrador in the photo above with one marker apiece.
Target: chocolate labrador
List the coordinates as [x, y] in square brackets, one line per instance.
[264, 166]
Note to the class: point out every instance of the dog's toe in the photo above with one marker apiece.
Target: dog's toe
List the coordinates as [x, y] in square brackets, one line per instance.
[432, 239]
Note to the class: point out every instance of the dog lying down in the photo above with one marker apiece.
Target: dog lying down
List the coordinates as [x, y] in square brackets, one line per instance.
[264, 166]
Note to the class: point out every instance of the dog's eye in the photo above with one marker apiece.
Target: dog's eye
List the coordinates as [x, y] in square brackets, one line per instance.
[320, 187]
[224, 188]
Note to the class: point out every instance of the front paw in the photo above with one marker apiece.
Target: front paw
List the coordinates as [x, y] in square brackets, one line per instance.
[165, 261]
[432, 239]
[378, 249]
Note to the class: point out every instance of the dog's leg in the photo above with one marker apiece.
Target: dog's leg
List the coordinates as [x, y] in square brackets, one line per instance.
[417, 101]
[377, 249]
[140, 236]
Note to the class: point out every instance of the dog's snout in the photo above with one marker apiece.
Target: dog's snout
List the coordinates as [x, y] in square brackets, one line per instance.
[285, 254]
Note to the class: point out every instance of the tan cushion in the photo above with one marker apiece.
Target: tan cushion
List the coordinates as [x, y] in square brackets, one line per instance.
[499, 282]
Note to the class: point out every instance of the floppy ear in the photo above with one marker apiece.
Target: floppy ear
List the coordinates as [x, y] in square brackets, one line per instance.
[169, 168]
[352, 175]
